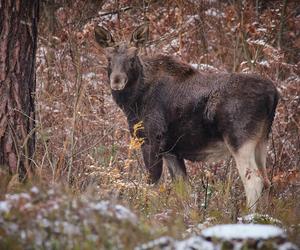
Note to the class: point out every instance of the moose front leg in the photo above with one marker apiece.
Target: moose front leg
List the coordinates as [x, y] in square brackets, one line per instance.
[153, 161]
[176, 166]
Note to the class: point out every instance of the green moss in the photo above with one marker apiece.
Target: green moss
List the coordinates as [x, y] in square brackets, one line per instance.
[226, 245]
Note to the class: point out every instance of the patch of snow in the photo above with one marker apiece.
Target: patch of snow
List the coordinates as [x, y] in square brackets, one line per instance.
[167, 243]
[287, 246]
[70, 229]
[34, 190]
[264, 44]
[51, 192]
[89, 76]
[293, 78]
[175, 42]
[246, 70]
[13, 227]
[38, 238]
[214, 13]
[45, 223]
[257, 42]
[191, 19]
[204, 67]
[124, 213]
[264, 63]
[4, 207]
[258, 218]
[23, 235]
[92, 237]
[17, 197]
[194, 243]
[107, 209]
[208, 222]
[83, 59]
[262, 29]
[162, 243]
[27, 206]
[243, 231]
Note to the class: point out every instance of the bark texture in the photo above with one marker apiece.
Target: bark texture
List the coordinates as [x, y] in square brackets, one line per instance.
[18, 40]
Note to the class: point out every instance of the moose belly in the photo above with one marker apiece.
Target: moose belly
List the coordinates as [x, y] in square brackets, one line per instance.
[213, 151]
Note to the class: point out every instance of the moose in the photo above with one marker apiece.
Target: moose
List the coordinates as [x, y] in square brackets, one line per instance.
[192, 115]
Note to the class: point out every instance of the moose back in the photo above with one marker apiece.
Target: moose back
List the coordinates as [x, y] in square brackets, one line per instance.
[192, 115]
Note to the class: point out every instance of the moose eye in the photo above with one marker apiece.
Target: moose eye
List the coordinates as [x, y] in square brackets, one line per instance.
[132, 62]
[108, 63]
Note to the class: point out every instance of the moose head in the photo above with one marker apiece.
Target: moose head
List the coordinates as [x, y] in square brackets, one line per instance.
[124, 66]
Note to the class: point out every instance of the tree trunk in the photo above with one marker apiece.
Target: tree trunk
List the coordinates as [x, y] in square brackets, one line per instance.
[18, 41]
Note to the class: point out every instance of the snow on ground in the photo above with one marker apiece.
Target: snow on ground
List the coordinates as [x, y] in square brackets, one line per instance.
[214, 13]
[168, 243]
[243, 231]
[4, 207]
[121, 212]
[204, 67]
[264, 63]
[194, 243]
[259, 218]
[230, 236]
[51, 213]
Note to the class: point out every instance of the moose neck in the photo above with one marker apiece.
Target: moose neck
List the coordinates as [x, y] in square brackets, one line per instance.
[131, 96]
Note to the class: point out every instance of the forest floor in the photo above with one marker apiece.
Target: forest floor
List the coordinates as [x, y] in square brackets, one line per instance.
[90, 186]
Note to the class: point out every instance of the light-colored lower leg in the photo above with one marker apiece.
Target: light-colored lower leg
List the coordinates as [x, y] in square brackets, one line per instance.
[261, 159]
[250, 175]
[175, 166]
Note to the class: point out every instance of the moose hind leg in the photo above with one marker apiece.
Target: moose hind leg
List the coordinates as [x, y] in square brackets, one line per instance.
[248, 170]
[261, 159]
[175, 165]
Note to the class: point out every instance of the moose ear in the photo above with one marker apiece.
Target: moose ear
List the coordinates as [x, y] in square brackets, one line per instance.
[103, 37]
[140, 35]
[132, 52]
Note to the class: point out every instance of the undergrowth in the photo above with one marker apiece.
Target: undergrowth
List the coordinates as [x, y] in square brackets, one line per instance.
[84, 154]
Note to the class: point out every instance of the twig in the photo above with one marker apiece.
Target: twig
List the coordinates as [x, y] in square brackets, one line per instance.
[205, 198]
[275, 156]
[279, 41]
[95, 144]
[79, 90]
[283, 10]
[114, 12]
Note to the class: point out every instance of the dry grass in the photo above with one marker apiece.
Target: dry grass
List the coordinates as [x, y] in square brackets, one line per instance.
[83, 140]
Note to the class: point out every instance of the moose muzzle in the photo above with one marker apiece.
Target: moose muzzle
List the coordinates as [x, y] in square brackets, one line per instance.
[118, 81]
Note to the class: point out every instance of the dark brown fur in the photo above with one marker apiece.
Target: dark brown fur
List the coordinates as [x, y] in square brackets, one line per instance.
[192, 115]
[185, 112]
